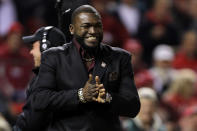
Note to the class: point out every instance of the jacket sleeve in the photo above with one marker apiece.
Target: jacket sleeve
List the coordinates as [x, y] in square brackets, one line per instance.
[126, 101]
[46, 96]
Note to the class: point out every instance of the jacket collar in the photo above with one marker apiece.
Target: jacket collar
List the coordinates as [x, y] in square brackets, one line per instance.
[103, 59]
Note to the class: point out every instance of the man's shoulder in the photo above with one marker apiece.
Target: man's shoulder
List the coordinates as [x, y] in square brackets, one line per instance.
[115, 50]
[57, 50]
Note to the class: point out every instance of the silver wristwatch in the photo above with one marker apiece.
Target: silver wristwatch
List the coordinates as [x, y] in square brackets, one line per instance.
[80, 95]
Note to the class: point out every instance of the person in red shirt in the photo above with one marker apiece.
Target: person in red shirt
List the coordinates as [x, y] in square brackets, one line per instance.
[16, 64]
[186, 56]
[157, 27]
[181, 92]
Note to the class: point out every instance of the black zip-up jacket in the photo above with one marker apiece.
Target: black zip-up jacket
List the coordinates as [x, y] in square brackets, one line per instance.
[62, 73]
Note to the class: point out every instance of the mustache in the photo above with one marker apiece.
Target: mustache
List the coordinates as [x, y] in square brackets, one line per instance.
[91, 50]
[97, 36]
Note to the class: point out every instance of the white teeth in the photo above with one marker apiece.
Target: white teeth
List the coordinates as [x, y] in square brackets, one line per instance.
[91, 38]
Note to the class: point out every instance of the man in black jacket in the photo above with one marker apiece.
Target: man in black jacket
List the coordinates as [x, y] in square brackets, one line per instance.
[86, 84]
[43, 39]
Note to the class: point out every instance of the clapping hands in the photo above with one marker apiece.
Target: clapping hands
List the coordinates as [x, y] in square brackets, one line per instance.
[94, 92]
[101, 91]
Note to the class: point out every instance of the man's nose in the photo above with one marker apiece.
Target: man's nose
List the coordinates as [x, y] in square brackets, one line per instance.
[92, 30]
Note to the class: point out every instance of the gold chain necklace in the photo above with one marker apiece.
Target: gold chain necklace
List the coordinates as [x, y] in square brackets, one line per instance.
[88, 60]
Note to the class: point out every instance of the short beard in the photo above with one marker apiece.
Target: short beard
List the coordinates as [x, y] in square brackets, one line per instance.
[91, 50]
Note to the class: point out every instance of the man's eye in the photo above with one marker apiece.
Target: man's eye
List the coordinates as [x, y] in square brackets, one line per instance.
[85, 26]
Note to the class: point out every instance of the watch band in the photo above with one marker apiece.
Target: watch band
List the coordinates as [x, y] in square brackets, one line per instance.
[80, 95]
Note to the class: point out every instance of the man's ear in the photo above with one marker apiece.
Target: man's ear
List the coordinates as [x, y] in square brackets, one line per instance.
[71, 28]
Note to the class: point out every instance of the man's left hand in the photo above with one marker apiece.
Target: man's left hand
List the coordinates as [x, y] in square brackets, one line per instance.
[101, 94]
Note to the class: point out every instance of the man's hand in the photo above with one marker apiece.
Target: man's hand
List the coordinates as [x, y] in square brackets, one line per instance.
[101, 93]
[90, 91]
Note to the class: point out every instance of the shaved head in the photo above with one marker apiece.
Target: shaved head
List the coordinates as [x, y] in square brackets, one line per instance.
[84, 9]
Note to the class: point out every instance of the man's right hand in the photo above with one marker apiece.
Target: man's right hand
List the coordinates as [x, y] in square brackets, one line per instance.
[90, 91]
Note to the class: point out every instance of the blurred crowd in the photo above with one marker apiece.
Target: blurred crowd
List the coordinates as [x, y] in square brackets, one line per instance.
[161, 35]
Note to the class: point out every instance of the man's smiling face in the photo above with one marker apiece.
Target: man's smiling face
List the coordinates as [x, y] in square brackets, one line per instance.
[87, 29]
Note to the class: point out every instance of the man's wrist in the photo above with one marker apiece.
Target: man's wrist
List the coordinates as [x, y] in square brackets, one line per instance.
[80, 95]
